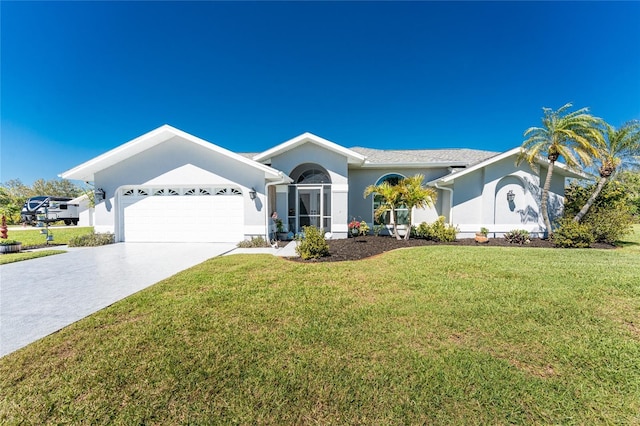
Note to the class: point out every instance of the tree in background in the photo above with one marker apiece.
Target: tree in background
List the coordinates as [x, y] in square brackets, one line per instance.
[618, 148]
[570, 135]
[8, 207]
[610, 216]
[631, 183]
[56, 187]
[14, 193]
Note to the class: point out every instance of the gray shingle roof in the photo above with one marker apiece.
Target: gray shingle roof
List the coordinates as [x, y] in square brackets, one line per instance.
[447, 157]
[461, 156]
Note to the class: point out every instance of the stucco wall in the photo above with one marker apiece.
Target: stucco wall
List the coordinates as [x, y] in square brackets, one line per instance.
[480, 199]
[362, 208]
[177, 162]
[334, 163]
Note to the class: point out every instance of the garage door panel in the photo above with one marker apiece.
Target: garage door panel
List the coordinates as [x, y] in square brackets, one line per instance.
[182, 218]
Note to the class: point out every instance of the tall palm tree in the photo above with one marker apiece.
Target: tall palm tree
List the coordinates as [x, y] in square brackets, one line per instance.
[570, 135]
[390, 201]
[413, 194]
[618, 148]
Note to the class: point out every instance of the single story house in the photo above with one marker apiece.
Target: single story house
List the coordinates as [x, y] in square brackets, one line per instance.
[170, 186]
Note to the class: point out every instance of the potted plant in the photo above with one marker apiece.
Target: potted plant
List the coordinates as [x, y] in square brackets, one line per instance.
[10, 246]
[280, 232]
[482, 236]
[354, 228]
[6, 245]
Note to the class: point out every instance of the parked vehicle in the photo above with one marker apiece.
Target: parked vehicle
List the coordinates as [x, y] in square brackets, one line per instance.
[47, 209]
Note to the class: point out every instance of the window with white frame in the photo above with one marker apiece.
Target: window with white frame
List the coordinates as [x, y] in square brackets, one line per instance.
[402, 213]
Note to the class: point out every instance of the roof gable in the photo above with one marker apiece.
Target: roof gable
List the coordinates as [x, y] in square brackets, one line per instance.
[87, 170]
[352, 156]
[560, 168]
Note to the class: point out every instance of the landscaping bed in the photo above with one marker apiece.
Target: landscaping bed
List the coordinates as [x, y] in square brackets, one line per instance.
[370, 245]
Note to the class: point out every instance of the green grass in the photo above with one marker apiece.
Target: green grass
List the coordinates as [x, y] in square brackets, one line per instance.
[631, 242]
[27, 255]
[430, 335]
[33, 237]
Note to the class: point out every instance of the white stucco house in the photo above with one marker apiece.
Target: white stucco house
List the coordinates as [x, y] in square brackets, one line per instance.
[170, 186]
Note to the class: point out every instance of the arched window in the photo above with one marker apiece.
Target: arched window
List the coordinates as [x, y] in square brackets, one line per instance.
[309, 173]
[402, 213]
[392, 178]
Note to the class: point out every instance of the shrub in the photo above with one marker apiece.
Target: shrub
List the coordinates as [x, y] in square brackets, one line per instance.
[377, 229]
[92, 240]
[571, 234]
[8, 242]
[609, 226]
[254, 242]
[312, 245]
[517, 236]
[611, 215]
[437, 231]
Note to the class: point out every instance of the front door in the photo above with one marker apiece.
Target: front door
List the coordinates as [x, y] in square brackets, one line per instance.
[310, 206]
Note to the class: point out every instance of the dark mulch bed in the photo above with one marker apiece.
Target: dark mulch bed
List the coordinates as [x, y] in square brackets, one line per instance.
[368, 246]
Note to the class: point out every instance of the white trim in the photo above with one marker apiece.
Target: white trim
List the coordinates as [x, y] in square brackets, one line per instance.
[87, 170]
[539, 160]
[352, 156]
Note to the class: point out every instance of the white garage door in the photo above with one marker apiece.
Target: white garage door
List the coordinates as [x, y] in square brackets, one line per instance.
[174, 214]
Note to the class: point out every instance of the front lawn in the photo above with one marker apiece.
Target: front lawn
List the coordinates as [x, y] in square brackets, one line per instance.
[429, 335]
[27, 255]
[32, 237]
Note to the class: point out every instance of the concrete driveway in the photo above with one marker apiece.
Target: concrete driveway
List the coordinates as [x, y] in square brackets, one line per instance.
[41, 296]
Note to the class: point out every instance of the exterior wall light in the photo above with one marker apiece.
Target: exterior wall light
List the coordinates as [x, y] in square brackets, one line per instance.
[252, 194]
[100, 194]
[510, 196]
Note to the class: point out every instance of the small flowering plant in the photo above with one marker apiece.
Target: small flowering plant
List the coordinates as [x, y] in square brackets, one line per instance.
[364, 228]
[354, 227]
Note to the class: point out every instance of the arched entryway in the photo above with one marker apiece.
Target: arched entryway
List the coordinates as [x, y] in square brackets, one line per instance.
[309, 198]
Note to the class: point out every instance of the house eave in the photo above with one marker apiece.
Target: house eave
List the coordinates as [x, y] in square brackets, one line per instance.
[562, 168]
[87, 170]
[266, 156]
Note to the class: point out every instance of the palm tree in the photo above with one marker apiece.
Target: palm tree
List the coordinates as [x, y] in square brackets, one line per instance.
[570, 135]
[413, 194]
[390, 195]
[618, 148]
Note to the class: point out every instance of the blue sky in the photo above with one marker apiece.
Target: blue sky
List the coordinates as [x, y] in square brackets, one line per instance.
[80, 78]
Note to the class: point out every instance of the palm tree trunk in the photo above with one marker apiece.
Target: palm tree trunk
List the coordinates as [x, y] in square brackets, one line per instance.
[545, 199]
[394, 219]
[406, 236]
[591, 200]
